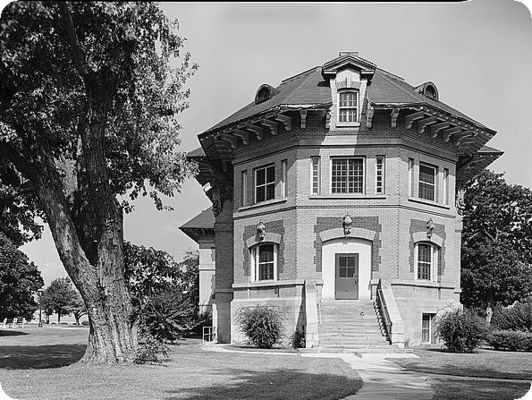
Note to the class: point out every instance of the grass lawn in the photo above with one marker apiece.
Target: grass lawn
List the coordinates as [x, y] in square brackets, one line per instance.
[190, 373]
[486, 374]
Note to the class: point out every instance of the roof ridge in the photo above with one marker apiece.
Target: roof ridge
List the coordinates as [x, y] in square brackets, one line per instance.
[293, 93]
[392, 74]
[298, 75]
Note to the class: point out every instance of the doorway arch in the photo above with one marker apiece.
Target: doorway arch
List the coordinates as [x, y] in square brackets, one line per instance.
[337, 254]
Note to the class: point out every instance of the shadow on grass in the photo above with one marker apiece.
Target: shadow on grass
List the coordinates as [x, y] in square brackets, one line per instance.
[273, 384]
[40, 357]
[480, 371]
[448, 388]
[12, 333]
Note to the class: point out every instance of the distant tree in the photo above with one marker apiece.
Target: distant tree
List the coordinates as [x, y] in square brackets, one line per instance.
[77, 307]
[19, 280]
[89, 98]
[58, 297]
[496, 242]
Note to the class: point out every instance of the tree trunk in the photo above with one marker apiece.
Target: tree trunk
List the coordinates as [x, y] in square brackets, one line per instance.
[112, 334]
[58, 318]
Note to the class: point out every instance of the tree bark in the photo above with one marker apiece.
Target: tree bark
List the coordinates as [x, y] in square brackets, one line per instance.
[112, 334]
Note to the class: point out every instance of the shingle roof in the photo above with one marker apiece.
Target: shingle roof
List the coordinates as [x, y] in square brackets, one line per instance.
[204, 220]
[310, 88]
[305, 88]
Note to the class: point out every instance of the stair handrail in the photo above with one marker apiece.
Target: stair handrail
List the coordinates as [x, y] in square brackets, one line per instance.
[383, 310]
[390, 312]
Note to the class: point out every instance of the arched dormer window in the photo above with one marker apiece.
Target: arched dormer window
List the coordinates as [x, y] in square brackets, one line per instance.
[429, 90]
[348, 107]
[264, 93]
[426, 261]
[264, 262]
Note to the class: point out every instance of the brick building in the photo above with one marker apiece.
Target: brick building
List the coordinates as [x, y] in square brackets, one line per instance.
[336, 199]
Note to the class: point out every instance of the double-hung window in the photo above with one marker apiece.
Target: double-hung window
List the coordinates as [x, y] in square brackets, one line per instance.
[347, 175]
[427, 261]
[379, 174]
[348, 107]
[315, 175]
[264, 260]
[265, 183]
[427, 182]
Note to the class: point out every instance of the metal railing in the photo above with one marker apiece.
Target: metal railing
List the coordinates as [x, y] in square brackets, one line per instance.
[385, 316]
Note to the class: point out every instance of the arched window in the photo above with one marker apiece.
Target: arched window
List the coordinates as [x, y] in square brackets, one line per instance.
[348, 106]
[426, 261]
[264, 262]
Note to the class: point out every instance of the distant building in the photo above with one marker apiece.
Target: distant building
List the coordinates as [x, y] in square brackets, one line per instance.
[336, 198]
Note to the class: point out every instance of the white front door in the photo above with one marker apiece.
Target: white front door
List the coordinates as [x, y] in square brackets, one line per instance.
[346, 283]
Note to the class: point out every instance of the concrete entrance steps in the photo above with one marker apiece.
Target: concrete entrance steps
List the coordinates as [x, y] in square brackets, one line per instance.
[351, 326]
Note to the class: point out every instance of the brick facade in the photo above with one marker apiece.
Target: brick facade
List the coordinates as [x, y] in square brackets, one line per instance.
[305, 216]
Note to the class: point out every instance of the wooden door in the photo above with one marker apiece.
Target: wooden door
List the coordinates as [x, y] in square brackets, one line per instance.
[346, 276]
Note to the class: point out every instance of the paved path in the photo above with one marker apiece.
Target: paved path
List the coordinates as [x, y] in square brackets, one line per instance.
[383, 379]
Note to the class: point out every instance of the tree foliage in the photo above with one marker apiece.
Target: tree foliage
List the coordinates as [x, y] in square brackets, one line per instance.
[58, 298]
[19, 280]
[496, 242]
[163, 293]
[77, 307]
[89, 97]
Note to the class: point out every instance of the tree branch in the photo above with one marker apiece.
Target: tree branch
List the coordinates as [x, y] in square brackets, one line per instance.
[72, 36]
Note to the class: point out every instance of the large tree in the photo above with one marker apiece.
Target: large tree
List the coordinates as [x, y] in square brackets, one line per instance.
[19, 280]
[496, 242]
[89, 95]
[58, 298]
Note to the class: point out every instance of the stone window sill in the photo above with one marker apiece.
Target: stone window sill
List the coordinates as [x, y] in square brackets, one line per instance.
[353, 196]
[270, 283]
[263, 204]
[429, 203]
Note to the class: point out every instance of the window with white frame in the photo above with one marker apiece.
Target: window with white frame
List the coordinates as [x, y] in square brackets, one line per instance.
[315, 175]
[379, 174]
[244, 188]
[347, 175]
[264, 183]
[427, 182]
[411, 180]
[284, 177]
[427, 333]
[446, 186]
[348, 107]
[426, 261]
[264, 262]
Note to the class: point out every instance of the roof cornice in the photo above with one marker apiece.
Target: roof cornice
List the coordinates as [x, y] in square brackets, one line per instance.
[331, 68]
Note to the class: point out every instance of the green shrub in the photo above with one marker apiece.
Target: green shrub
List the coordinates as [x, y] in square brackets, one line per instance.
[516, 318]
[262, 325]
[150, 349]
[461, 331]
[167, 316]
[298, 340]
[510, 340]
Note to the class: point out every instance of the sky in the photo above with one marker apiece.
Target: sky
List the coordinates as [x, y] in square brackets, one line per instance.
[478, 53]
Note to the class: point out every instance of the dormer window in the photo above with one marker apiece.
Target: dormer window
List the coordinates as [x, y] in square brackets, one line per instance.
[264, 93]
[348, 107]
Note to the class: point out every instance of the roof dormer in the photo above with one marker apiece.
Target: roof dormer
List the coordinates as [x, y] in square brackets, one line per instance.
[265, 92]
[348, 59]
[428, 89]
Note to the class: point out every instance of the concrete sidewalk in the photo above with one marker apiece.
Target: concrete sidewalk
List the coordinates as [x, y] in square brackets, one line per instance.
[384, 380]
